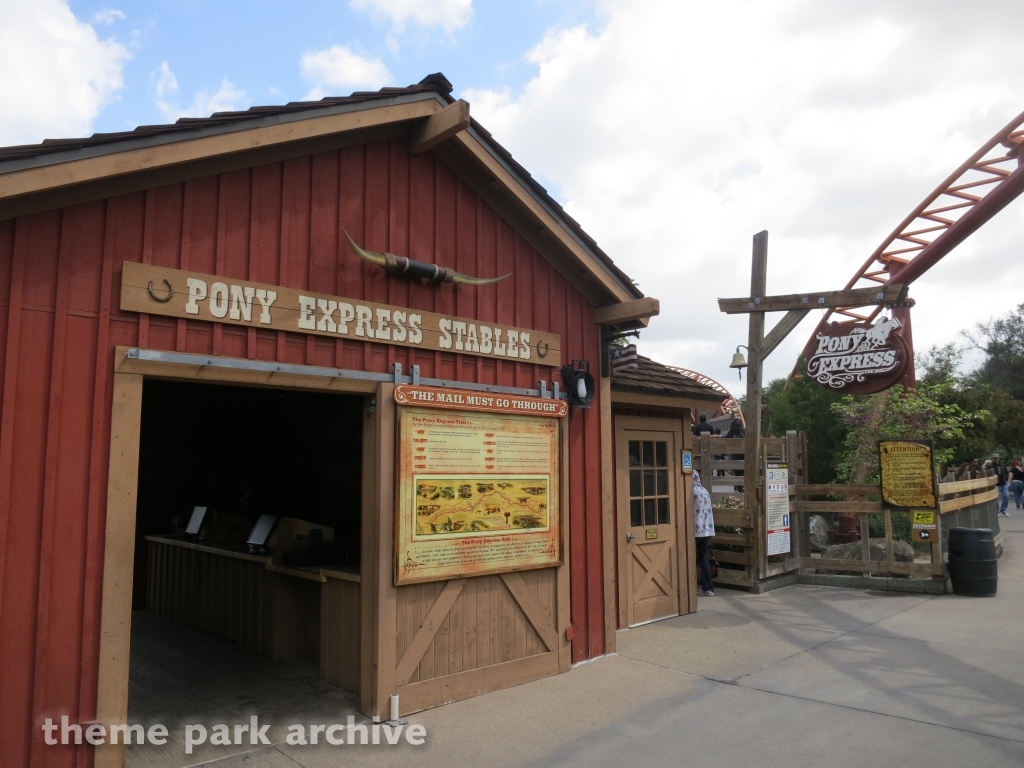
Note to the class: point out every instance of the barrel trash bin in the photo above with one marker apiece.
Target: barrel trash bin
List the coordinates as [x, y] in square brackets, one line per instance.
[972, 562]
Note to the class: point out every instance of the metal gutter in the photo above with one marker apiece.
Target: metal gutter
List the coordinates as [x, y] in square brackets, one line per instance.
[396, 377]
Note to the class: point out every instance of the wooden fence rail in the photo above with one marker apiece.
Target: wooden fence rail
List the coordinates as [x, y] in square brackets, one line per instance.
[738, 541]
[852, 522]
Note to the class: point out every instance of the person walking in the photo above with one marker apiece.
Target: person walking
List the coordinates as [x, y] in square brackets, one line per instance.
[1017, 482]
[1002, 481]
[704, 529]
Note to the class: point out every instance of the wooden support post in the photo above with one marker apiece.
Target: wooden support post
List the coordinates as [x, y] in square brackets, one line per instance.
[782, 329]
[608, 536]
[752, 453]
[889, 559]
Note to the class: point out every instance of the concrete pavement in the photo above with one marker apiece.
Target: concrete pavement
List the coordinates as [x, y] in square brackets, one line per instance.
[803, 676]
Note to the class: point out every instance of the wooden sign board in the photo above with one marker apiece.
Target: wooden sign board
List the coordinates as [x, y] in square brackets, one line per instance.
[468, 400]
[908, 474]
[478, 493]
[195, 296]
[924, 525]
[859, 358]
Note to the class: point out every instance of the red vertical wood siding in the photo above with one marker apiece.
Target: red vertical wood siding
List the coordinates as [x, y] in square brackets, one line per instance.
[280, 223]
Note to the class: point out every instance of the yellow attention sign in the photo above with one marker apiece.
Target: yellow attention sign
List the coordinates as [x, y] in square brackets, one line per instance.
[921, 519]
[478, 493]
[908, 478]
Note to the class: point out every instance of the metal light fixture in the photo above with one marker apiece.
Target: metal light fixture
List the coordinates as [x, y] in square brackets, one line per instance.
[579, 384]
[739, 362]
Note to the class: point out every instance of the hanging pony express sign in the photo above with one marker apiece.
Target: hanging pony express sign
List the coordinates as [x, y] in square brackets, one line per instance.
[859, 358]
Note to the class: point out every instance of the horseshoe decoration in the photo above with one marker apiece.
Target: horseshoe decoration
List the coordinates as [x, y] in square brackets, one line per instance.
[547, 348]
[154, 297]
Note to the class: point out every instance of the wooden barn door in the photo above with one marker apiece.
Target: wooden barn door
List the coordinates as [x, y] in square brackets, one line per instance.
[648, 483]
[438, 642]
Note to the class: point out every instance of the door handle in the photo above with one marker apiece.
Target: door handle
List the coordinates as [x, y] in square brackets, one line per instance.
[629, 538]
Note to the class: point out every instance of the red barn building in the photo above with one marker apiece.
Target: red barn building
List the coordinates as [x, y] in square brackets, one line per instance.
[172, 306]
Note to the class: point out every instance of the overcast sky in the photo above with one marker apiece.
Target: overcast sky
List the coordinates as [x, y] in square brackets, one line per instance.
[671, 130]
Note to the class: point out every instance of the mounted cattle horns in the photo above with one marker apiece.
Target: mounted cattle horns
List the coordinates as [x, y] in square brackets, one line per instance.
[407, 266]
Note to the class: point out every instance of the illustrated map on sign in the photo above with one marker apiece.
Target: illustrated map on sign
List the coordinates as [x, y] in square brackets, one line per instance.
[477, 506]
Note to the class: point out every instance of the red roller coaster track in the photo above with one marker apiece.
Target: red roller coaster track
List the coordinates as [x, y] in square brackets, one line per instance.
[729, 404]
[986, 183]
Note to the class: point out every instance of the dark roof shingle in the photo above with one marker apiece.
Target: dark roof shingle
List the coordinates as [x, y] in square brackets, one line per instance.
[653, 378]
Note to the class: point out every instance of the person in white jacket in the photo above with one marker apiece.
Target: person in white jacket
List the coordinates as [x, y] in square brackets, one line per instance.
[704, 529]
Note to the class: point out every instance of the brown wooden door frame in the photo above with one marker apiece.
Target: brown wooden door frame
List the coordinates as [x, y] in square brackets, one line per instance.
[377, 674]
[685, 545]
[122, 496]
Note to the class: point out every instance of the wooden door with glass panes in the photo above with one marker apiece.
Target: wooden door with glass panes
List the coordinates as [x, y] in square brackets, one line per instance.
[647, 480]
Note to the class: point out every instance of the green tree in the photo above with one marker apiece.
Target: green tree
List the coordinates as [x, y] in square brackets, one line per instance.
[893, 415]
[939, 373]
[1008, 415]
[806, 406]
[1002, 341]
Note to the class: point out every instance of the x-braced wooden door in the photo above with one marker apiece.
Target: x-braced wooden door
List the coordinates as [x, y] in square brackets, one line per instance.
[648, 482]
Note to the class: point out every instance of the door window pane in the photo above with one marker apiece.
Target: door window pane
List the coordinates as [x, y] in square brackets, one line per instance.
[634, 453]
[663, 511]
[649, 494]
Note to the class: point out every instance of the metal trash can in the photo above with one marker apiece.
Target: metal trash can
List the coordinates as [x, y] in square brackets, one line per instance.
[972, 562]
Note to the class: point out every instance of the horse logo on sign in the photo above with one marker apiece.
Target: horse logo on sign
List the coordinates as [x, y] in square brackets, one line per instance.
[861, 358]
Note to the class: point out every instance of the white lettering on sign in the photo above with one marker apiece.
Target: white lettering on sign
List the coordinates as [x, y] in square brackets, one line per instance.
[840, 360]
[408, 394]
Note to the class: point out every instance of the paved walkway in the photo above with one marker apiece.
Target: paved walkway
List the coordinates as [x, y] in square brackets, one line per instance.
[804, 676]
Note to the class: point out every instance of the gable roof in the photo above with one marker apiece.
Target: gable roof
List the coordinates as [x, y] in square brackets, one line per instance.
[60, 172]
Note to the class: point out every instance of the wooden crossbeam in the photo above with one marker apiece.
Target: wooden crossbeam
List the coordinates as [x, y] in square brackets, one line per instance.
[531, 610]
[431, 623]
[638, 309]
[774, 337]
[439, 127]
[853, 297]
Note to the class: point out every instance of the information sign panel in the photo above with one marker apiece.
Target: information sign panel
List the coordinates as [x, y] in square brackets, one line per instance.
[908, 474]
[776, 477]
[478, 493]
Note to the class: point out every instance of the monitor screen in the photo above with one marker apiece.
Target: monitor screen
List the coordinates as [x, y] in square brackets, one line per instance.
[196, 521]
[261, 531]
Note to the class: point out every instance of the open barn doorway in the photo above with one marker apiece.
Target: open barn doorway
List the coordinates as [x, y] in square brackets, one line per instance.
[245, 593]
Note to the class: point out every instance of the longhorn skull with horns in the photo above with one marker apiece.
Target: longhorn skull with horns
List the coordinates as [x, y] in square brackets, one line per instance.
[407, 266]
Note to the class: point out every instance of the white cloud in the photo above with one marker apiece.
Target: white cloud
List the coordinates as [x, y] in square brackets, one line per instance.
[108, 16]
[446, 14]
[55, 72]
[227, 98]
[679, 129]
[338, 70]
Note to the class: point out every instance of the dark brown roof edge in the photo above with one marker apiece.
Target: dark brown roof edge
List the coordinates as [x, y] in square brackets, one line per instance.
[63, 150]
